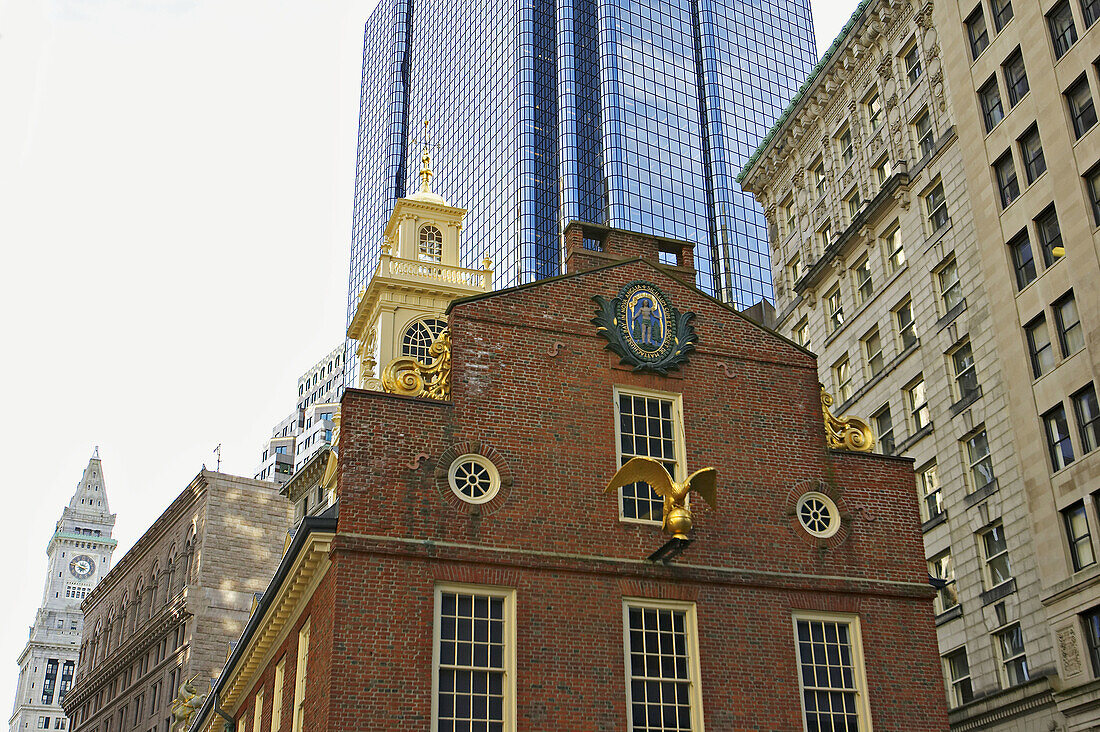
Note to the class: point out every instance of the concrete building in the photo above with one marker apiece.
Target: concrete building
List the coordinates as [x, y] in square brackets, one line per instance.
[917, 247]
[295, 439]
[170, 607]
[476, 573]
[79, 554]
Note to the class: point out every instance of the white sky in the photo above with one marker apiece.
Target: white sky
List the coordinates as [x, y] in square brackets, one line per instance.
[175, 218]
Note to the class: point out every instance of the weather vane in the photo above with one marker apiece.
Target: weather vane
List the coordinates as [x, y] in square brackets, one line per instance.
[425, 159]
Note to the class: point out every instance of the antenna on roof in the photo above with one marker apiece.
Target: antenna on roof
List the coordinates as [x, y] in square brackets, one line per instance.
[95, 453]
[218, 452]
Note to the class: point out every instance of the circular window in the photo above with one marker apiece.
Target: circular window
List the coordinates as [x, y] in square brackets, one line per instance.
[473, 478]
[818, 514]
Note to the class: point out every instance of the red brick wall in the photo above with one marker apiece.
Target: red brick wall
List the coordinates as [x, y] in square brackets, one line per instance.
[533, 382]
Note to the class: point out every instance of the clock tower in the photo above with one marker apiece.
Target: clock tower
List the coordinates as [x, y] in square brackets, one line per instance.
[79, 553]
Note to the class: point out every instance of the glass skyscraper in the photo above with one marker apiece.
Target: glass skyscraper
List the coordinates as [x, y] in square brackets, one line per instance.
[636, 114]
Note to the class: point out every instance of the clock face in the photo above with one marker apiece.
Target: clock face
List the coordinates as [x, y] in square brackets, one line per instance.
[82, 566]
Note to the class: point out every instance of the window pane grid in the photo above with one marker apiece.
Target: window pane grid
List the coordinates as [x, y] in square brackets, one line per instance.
[660, 680]
[828, 675]
[646, 429]
[471, 663]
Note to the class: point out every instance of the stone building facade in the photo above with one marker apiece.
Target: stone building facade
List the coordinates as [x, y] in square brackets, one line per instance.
[892, 263]
[169, 608]
[483, 510]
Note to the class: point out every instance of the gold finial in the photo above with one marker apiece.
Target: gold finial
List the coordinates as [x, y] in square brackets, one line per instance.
[425, 164]
[847, 432]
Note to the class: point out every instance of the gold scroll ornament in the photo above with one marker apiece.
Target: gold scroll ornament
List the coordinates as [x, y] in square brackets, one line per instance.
[847, 432]
[409, 377]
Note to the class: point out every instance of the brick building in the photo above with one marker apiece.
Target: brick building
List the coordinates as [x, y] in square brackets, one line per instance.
[168, 609]
[478, 576]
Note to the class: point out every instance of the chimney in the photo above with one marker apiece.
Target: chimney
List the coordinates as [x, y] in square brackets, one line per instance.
[588, 246]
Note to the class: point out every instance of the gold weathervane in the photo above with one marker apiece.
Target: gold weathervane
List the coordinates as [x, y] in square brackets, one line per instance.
[847, 432]
[677, 518]
[409, 377]
[425, 162]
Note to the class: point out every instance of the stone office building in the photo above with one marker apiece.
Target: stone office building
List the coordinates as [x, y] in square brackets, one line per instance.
[169, 608]
[919, 246]
[475, 574]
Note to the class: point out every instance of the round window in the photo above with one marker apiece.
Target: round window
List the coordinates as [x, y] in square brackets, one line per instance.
[474, 478]
[818, 514]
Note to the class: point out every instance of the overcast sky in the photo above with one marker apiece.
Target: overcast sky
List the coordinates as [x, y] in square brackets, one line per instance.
[175, 213]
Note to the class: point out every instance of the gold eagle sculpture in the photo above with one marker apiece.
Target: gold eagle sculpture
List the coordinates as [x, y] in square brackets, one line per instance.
[677, 518]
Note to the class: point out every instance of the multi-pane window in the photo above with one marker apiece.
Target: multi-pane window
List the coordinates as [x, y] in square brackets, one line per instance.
[844, 144]
[941, 568]
[884, 169]
[895, 252]
[431, 244]
[1039, 346]
[1087, 411]
[958, 673]
[786, 218]
[872, 352]
[1071, 336]
[794, 270]
[1002, 12]
[819, 179]
[300, 676]
[1092, 638]
[473, 675]
[1023, 261]
[935, 204]
[802, 333]
[854, 203]
[825, 236]
[830, 673]
[842, 377]
[1090, 9]
[874, 110]
[1079, 537]
[911, 59]
[1081, 109]
[417, 340]
[1059, 444]
[663, 692]
[979, 462]
[1008, 186]
[1063, 33]
[258, 710]
[995, 555]
[834, 310]
[1015, 77]
[917, 401]
[1010, 649]
[277, 695]
[884, 429]
[1031, 150]
[1093, 180]
[1050, 235]
[950, 286]
[649, 425]
[906, 327]
[861, 277]
[977, 32]
[931, 494]
[990, 97]
[922, 128]
[966, 375]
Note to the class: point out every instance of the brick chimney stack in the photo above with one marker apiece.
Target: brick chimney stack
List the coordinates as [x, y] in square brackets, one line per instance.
[588, 246]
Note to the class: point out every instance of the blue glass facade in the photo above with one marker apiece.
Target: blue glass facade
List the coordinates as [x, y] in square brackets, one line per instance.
[636, 114]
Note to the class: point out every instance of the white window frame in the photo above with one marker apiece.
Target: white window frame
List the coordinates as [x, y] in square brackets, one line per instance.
[678, 444]
[855, 637]
[277, 695]
[509, 596]
[301, 675]
[258, 710]
[955, 696]
[691, 629]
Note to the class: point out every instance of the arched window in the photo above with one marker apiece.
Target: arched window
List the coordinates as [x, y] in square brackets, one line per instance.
[431, 244]
[419, 336]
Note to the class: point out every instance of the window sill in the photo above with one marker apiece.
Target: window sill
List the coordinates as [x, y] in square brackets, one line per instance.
[950, 316]
[877, 378]
[949, 614]
[965, 402]
[999, 592]
[932, 523]
[972, 499]
[937, 236]
[915, 438]
[937, 148]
